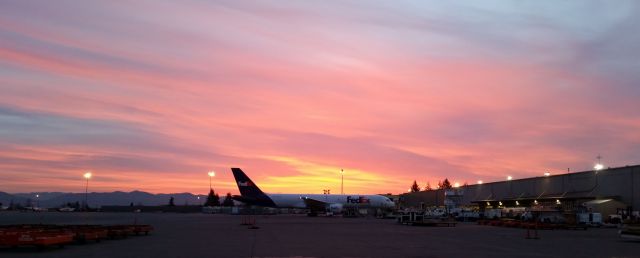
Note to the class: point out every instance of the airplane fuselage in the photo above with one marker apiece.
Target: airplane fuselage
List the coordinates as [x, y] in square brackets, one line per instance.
[347, 200]
[251, 194]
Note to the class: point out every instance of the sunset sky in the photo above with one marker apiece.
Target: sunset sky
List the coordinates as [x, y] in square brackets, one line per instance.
[150, 95]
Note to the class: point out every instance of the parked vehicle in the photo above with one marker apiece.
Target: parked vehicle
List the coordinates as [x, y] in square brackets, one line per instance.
[592, 218]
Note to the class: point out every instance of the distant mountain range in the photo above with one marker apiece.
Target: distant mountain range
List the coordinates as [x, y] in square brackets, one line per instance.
[57, 199]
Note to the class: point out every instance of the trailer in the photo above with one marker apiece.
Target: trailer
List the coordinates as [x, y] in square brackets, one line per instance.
[37, 238]
[414, 218]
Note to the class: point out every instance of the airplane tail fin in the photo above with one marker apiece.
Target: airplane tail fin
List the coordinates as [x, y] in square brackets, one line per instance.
[249, 190]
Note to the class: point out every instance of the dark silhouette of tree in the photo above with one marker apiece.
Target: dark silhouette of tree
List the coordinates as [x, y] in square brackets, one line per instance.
[171, 203]
[228, 201]
[212, 199]
[446, 184]
[428, 187]
[415, 187]
[131, 204]
[439, 184]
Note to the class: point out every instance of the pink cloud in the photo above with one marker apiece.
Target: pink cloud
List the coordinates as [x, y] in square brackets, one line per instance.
[292, 94]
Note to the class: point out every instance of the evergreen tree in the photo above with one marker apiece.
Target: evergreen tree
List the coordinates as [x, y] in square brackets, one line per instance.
[415, 187]
[228, 201]
[439, 184]
[171, 203]
[428, 187]
[212, 199]
[446, 184]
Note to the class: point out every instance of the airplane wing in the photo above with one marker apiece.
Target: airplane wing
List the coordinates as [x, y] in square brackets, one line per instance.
[246, 200]
[314, 205]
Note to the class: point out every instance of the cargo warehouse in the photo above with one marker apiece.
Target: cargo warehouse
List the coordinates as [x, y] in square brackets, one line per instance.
[608, 191]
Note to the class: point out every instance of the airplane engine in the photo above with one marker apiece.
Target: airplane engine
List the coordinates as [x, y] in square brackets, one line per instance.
[335, 208]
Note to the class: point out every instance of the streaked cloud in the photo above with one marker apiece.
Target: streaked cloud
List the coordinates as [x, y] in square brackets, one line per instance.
[151, 95]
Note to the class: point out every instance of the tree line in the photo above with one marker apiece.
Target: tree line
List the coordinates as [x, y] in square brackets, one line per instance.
[213, 199]
[445, 184]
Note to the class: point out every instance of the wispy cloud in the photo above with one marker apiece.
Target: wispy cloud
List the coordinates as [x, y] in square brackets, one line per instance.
[153, 95]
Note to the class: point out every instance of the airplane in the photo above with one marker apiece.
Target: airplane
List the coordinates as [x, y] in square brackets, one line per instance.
[251, 194]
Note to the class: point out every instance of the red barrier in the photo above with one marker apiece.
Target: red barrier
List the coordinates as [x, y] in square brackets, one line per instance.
[47, 235]
[34, 238]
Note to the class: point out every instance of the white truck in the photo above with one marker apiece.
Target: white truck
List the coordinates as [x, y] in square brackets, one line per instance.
[591, 218]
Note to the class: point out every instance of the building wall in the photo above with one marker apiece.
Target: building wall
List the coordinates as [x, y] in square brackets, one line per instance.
[428, 198]
[622, 182]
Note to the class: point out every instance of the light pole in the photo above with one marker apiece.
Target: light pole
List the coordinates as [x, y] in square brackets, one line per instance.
[597, 168]
[87, 176]
[509, 178]
[211, 174]
[598, 165]
[342, 181]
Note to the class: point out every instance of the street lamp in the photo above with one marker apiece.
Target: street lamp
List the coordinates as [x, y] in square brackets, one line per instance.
[341, 181]
[211, 174]
[598, 167]
[87, 176]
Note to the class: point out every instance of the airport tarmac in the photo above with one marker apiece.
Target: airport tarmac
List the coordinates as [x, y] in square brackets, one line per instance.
[216, 235]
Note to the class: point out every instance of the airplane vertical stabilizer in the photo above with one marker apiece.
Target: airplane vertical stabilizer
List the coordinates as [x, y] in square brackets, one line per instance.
[250, 191]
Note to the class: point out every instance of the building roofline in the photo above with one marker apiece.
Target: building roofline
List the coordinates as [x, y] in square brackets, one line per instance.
[556, 175]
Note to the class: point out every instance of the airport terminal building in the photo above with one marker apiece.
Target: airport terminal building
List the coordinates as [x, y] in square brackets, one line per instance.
[610, 191]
